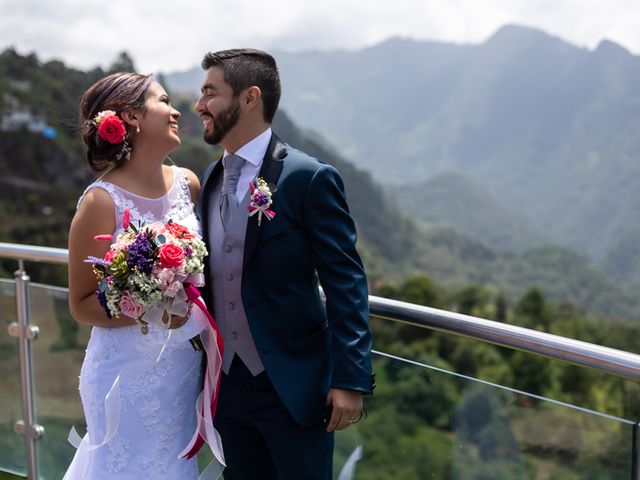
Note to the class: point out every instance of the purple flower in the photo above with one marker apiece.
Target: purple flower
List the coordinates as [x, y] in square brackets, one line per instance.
[187, 251]
[141, 253]
[102, 298]
[97, 261]
[260, 199]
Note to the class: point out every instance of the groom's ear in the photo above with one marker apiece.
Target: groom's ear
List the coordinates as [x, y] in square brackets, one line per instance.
[252, 98]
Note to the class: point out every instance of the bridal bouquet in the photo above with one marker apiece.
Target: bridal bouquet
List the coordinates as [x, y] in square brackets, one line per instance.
[144, 273]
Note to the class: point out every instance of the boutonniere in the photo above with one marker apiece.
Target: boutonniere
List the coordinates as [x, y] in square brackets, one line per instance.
[260, 200]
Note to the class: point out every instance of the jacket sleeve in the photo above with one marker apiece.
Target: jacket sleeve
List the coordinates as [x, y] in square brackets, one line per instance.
[333, 240]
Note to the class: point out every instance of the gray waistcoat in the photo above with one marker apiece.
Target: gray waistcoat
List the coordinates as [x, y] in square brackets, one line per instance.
[226, 252]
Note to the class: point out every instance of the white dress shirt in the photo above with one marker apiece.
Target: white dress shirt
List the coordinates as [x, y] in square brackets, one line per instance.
[253, 152]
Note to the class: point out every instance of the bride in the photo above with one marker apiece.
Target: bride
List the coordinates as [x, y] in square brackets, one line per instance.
[138, 391]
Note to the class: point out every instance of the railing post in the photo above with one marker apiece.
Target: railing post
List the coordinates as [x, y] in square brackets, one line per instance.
[635, 472]
[26, 333]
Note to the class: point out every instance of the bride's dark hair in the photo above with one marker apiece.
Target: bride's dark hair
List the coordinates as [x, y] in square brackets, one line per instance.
[117, 92]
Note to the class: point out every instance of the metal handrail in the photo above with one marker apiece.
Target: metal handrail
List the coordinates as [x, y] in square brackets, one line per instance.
[33, 253]
[609, 360]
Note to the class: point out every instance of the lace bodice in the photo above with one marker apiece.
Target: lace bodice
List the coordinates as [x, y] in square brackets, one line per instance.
[176, 204]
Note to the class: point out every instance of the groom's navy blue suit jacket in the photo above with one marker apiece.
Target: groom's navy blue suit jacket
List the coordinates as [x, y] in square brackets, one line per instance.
[305, 346]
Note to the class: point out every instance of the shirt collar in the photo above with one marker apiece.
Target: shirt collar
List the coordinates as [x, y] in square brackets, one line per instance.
[255, 150]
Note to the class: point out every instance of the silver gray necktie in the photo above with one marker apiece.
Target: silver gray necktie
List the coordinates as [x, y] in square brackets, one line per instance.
[232, 165]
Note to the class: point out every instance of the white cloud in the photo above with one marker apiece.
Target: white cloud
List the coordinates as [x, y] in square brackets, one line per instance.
[166, 36]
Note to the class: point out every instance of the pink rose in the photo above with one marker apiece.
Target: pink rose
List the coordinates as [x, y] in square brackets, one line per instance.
[130, 307]
[170, 256]
[157, 228]
[110, 255]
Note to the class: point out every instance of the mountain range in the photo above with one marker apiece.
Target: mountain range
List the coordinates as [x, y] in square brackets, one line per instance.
[43, 176]
[547, 129]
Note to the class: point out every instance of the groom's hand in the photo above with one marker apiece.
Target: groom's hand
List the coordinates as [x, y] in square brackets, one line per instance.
[346, 406]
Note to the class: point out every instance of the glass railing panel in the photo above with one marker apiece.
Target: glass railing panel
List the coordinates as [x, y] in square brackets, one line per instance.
[58, 353]
[12, 454]
[427, 422]
[423, 421]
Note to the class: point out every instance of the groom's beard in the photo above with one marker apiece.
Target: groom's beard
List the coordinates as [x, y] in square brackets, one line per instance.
[223, 123]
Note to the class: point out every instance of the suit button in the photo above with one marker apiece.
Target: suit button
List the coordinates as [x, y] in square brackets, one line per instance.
[227, 248]
[232, 306]
[234, 335]
[229, 277]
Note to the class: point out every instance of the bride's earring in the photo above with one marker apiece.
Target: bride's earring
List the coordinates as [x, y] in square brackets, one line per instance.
[138, 129]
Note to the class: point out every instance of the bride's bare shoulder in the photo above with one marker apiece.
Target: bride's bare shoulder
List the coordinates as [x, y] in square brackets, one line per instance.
[96, 213]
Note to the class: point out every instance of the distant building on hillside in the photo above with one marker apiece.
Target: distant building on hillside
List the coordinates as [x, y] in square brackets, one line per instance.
[24, 85]
[15, 117]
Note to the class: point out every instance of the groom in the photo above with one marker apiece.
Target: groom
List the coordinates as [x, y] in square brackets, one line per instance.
[294, 369]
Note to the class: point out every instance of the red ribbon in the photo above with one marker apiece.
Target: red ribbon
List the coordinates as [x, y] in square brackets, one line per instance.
[194, 296]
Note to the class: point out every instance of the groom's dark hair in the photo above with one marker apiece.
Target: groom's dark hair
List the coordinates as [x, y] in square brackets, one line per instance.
[246, 67]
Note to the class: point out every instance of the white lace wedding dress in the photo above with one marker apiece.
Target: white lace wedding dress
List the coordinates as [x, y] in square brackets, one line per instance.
[152, 406]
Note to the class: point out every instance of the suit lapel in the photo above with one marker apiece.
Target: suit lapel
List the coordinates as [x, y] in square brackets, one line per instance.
[271, 169]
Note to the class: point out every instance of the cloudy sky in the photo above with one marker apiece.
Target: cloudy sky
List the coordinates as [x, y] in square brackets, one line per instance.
[166, 36]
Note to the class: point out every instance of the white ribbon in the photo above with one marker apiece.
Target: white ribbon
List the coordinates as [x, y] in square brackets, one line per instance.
[112, 419]
[349, 468]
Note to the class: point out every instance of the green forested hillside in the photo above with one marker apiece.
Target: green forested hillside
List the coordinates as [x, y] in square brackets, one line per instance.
[44, 177]
[455, 201]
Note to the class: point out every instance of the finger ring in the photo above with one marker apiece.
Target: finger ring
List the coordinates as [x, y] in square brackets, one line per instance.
[353, 421]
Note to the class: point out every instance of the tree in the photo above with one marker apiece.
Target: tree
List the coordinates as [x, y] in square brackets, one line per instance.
[422, 291]
[122, 63]
[531, 372]
[501, 308]
[531, 310]
[472, 300]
